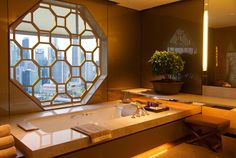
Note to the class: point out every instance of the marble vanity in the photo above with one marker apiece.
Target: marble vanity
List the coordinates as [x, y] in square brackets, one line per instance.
[55, 136]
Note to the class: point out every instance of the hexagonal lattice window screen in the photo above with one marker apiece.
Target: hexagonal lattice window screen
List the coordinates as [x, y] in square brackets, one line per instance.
[57, 54]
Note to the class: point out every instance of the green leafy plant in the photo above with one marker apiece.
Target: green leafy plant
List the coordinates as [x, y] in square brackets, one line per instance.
[167, 64]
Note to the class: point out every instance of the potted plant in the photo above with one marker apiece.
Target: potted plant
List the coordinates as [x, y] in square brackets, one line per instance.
[168, 65]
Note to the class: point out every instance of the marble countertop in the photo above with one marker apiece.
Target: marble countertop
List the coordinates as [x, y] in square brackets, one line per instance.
[41, 143]
[185, 97]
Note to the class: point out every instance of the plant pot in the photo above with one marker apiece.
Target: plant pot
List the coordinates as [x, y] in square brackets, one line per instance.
[170, 87]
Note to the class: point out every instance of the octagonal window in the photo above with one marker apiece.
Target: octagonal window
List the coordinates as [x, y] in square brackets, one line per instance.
[75, 24]
[89, 71]
[26, 73]
[27, 17]
[26, 35]
[96, 56]
[76, 87]
[55, 54]
[44, 54]
[62, 99]
[61, 72]
[60, 11]
[75, 56]
[14, 53]
[88, 41]
[45, 90]
[60, 38]
[44, 19]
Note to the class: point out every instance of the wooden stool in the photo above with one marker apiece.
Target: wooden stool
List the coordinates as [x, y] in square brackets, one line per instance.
[214, 124]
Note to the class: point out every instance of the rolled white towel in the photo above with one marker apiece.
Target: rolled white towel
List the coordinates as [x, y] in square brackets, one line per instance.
[8, 153]
[5, 130]
[6, 142]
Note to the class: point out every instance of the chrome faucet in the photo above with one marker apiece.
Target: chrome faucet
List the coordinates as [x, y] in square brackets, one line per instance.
[140, 111]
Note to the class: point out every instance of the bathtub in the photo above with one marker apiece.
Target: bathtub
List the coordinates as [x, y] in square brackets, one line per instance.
[97, 116]
[55, 136]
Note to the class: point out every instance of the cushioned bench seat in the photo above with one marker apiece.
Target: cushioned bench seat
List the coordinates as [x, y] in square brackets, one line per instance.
[208, 121]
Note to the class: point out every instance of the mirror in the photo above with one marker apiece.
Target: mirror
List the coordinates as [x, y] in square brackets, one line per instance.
[221, 43]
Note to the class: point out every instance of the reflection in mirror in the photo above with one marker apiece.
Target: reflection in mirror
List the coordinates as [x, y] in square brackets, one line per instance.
[222, 43]
[181, 43]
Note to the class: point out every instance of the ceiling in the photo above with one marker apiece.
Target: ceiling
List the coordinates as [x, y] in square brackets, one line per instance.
[142, 4]
[222, 13]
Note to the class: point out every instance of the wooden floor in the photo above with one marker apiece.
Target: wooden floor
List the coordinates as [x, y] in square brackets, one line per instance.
[191, 151]
[180, 150]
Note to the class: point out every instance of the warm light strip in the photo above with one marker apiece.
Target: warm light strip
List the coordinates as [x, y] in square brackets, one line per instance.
[217, 57]
[159, 153]
[205, 41]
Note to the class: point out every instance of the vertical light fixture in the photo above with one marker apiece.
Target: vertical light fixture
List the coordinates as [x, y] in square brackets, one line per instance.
[217, 57]
[205, 37]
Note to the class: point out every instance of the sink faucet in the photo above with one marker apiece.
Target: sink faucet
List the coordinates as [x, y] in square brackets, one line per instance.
[140, 111]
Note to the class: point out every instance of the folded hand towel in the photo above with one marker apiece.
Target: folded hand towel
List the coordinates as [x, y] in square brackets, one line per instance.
[6, 142]
[5, 130]
[95, 132]
[27, 126]
[8, 153]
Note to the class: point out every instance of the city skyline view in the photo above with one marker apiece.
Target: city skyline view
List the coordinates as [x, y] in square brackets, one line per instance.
[45, 55]
[57, 59]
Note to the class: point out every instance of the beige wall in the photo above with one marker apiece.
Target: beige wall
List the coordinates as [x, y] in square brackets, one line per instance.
[124, 50]
[122, 28]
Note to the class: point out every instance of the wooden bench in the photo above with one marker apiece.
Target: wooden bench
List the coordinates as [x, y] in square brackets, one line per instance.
[214, 126]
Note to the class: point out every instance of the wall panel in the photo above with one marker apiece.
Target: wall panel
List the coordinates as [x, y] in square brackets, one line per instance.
[4, 90]
[158, 27]
[19, 102]
[124, 50]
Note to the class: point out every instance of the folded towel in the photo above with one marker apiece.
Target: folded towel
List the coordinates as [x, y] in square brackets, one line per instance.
[6, 142]
[8, 153]
[27, 126]
[95, 132]
[5, 130]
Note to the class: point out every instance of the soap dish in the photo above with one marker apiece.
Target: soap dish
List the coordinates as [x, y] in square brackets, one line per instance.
[156, 108]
